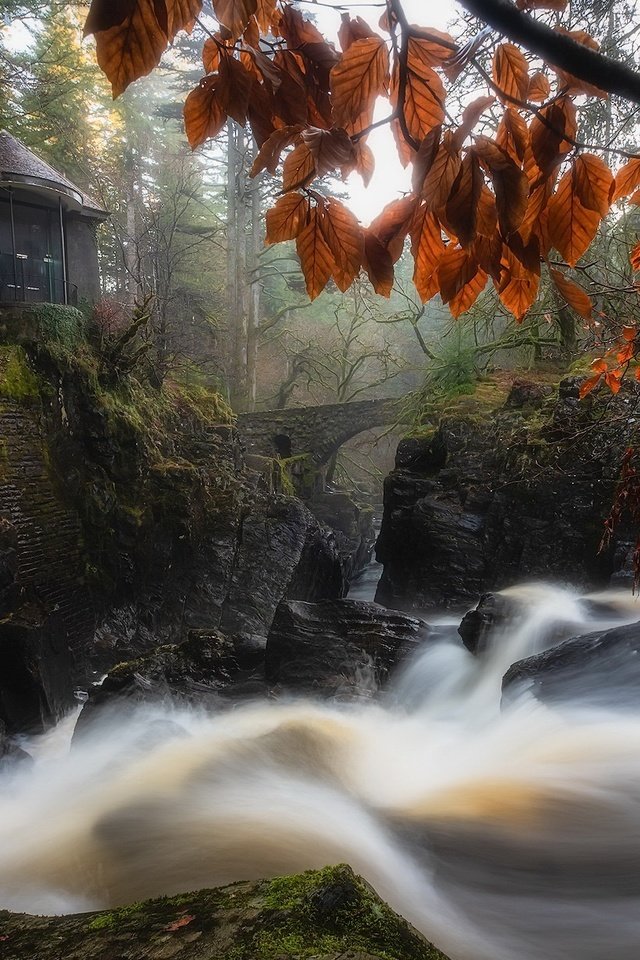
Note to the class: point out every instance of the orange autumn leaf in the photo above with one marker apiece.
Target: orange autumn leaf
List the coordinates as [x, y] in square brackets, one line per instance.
[131, 48]
[461, 279]
[330, 149]
[204, 114]
[589, 384]
[288, 218]
[345, 239]
[510, 184]
[361, 75]
[634, 257]
[234, 14]
[461, 208]
[427, 248]
[316, 260]
[378, 264]
[593, 183]
[513, 135]
[539, 87]
[423, 102]
[552, 134]
[519, 280]
[510, 72]
[268, 157]
[299, 168]
[573, 294]
[571, 226]
[179, 923]
[627, 179]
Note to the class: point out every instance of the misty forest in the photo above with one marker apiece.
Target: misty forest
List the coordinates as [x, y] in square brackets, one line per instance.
[320, 480]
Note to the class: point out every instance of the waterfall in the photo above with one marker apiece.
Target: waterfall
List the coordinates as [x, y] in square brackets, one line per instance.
[506, 833]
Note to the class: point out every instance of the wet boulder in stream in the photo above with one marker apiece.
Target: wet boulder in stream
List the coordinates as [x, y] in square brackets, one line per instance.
[600, 669]
[338, 648]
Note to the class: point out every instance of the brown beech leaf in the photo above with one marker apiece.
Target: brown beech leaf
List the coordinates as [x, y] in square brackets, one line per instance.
[133, 47]
[510, 184]
[180, 922]
[513, 135]
[539, 87]
[392, 225]
[352, 30]
[427, 248]
[345, 239]
[268, 157]
[461, 279]
[234, 89]
[573, 293]
[423, 54]
[299, 168]
[627, 178]
[406, 153]
[470, 117]
[593, 183]
[316, 259]
[378, 264]
[518, 285]
[634, 257]
[297, 30]
[180, 15]
[288, 218]
[536, 210]
[360, 77]
[204, 115]
[234, 14]
[461, 208]
[572, 226]
[331, 149]
[365, 161]
[265, 11]
[549, 131]
[510, 72]
[442, 174]
[423, 159]
[423, 103]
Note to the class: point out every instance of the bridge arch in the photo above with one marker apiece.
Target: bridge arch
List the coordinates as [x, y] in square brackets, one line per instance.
[317, 431]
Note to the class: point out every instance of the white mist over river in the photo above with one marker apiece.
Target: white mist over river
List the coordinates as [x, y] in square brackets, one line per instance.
[508, 834]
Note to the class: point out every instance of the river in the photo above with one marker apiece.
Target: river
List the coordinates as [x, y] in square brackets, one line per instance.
[506, 833]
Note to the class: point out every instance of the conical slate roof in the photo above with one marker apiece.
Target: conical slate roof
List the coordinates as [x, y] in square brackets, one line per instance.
[18, 163]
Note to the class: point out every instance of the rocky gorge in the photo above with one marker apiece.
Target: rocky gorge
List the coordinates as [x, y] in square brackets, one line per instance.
[180, 590]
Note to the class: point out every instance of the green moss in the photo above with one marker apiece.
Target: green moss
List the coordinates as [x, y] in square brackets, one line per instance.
[62, 324]
[17, 379]
[115, 918]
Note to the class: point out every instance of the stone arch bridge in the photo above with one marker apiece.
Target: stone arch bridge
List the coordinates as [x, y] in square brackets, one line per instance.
[317, 431]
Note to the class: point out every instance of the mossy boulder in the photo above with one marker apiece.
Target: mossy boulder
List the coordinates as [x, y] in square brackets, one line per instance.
[328, 914]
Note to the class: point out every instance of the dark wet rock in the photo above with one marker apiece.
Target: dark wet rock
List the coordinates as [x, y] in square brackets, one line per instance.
[36, 665]
[196, 672]
[492, 612]
[352, 524]
[325, 914]
[11, 754]
[525, 392]
[344, 648]
[492, 495]
[601, 668]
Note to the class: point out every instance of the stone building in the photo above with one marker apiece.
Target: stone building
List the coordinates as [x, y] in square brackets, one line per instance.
[48, 249]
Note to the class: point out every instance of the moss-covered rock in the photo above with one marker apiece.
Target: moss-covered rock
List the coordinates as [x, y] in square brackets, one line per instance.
[328, 914]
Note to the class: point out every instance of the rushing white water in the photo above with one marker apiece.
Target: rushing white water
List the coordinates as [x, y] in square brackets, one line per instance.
[503, 835]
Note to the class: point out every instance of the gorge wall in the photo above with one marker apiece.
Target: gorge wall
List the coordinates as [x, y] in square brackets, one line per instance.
[128, 519]
[511, 483]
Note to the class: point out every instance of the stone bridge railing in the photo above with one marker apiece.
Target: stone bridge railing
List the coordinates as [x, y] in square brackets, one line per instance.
[316, 431]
